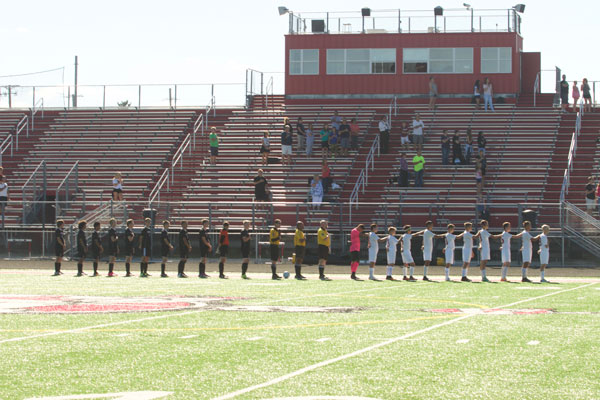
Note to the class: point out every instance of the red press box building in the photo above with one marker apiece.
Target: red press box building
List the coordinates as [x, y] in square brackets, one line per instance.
[372, 54]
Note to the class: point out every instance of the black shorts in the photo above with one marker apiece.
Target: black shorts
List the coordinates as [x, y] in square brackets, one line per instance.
[96, 253]
[300, 251]
[214, 151]
[183, 252]
[165, 252]
[354, 256]
[129, 251]
[58, 251]
[203, 251]
[117, 190]
[246, 251]
[112, 251]
[325, 145]
[223, 250]
[146, 252]
[274, 252]
[3, 201]
[81, 252]
[264, 149]
[564, 99]
[587, 96]
[323, 252]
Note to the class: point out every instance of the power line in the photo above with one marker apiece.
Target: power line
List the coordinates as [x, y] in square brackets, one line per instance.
[33, 73]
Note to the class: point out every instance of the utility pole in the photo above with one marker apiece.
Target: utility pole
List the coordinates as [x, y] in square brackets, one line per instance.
[75, 94]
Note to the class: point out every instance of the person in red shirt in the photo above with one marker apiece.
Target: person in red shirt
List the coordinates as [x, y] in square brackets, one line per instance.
[355, 236]
[223, 249]
[325, 176]
[354, 133]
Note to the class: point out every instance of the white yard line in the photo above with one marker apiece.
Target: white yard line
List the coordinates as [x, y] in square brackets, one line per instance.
[162, 316]
[375, 347]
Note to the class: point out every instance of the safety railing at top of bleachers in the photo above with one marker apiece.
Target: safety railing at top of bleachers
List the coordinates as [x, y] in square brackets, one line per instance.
[67, 190]
[564, 190]
[33, 191]
[178, 156]
[268, 90]
[155, 193]
[22, 125]
[38, 106]
[363, 177]
[5, 146]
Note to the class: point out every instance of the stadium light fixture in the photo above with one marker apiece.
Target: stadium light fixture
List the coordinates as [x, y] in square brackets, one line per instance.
[467, 6]
[520, 8]
[283, 10]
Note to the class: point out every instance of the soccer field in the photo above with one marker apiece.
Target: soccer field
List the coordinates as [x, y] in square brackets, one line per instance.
[259, 339]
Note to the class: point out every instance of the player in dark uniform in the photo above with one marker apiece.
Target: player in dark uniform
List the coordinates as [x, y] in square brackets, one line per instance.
[184, 249]
[112, 246]
[96, 247]
[275, 239]
[129, 248]
[205, 248]
[245, 242]
[145, 248]
[165, 248]
[81, 247]
[223, 249]
[59, 246]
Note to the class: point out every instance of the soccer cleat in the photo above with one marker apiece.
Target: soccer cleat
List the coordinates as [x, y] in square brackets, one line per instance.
[163, 275]
[324, 278]
[222, 276]
[426, 279]
[244, 276]
[128, 275]
[404, 278]
[96, 274]
[543, 280]
[300, 277]
[372, 278]
[390, 278]
[142, 275]
[525, 280]
[411, 279]
[504, 280]
[80, 274]
[447, 279]
[276, 277]
[111, 274]
[485, 279]
[56, 274]
[355, 278]
[465, 279]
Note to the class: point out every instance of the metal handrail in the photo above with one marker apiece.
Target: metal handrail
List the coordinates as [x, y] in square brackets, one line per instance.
[178, 156]
[65, 183]
[363, 177]
[198, 126]
[23, 124]
[582, 214]
[8, 142]
[536, 88]
[33, 179]
[37, 106]
[393, 106]
[269, 88]
[155, 193]
[564, 190]
[40, 165]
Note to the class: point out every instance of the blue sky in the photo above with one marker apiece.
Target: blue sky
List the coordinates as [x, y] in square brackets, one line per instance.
[122, 42]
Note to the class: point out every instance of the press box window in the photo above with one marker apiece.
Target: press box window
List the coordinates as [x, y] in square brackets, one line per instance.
[438, 60]
[361, 61]
[496, 60]
[304, 62]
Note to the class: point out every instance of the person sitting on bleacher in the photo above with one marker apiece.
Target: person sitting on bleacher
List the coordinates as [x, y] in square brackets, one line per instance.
[261, 192]
[117, 192]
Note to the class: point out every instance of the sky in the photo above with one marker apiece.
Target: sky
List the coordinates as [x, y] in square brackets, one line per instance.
[202, 42]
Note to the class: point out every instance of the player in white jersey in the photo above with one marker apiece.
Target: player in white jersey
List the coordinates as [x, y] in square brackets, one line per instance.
[427, 247]
[391, 245]
[526, 249]
[544, 251]
[484, 248]
[505, 237]
[450, 237]
[467, 250]
[407, 257]
[373, 246]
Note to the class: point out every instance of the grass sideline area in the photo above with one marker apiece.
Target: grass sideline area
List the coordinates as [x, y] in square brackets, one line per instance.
[259, 339]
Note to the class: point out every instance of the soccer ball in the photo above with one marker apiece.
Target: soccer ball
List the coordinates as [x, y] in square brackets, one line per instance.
[286, 274]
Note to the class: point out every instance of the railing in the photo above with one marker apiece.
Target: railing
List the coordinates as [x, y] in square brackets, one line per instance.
[32, 191]
[6, 144]
[254, 84]
[536, 88]
[564, 190]
[178, 156]
[363, 177]
[67, 190]
[198, 126]
[21, 126]
[581, 227]
[393, 110]
[37, 106]
[268, 90]
[155, 193]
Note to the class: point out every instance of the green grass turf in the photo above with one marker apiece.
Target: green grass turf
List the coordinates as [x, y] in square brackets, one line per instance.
[232, 350]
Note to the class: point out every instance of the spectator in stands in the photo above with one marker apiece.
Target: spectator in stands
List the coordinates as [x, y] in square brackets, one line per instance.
[214, 145]
[261, 187]
[354, 133]
[316, 192]
[1, 170]
[469, 146]
[457, 153]
[481, 142]
[286, 122]
[417, 132]
[325, 141]
[488, 93]
[117, 191]
[445, 147]
[3, 196]
[334, 141]
[590, 195]
[433, 93]
[477, 94]
[564, 94]
[325, 176]
[478, 177]
[310, 140]
[265, 148]
[344, 137]
[286, 145]
[335, 121]
[404, 136]
[576, 96]
[384, 134]
[403, 177]
[483, 162]
[301, 133]
[419, 165]
[587, 97]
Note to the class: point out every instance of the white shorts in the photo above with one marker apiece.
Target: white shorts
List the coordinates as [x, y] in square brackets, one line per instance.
[286, 150]
[391, 258]
[373, 254]
[404, 140]
[407, 257]
[590, 203]
[505, 257]
[317, 199]
[526, 256]
[467, 253]
[544, 257]
[427, 253]
[484, 254]
[449, 256]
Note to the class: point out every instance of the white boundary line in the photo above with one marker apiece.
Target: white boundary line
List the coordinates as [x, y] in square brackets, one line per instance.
[131, 321]
[376, 346]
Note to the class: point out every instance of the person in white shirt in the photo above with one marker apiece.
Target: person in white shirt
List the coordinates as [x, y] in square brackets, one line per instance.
[391, 245]
[467, 250]
[417, 130]
[117, 192]
[3, 196]
[484, 249]
[427, 247]
[488, 93]
[544, 251]
[505, 238]
[407, 257]
[526, 250]
[450, 238]
[316, 192]
[373, 247]
[384, 134]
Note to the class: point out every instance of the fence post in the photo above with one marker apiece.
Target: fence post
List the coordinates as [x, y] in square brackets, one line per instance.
[139, 97]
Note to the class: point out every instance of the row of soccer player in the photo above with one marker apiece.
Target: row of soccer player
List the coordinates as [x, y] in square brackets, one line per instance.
[324, 248]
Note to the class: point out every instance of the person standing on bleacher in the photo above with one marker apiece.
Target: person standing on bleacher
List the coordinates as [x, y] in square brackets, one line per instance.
[384, 134]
